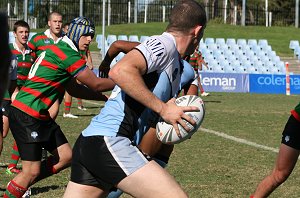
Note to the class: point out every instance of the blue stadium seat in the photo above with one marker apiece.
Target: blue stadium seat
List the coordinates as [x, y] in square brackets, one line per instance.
[220, 41]
[143, 38]
[252, 42]
[230, 41]
[218, 69]
[224, 47]
[240, 70]
[262, 42]
[209, 41]
[251, 70]
[293, 44]
[134, 38]
[111, 38]
[123, 37]
[220, 58]
[229, 69]
[241, 42]
[212, 46]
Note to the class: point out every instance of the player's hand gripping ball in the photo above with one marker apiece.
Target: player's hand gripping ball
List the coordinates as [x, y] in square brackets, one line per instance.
[166, 133]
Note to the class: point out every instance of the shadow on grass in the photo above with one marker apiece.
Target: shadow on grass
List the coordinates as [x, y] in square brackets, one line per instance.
[212, 101]
[86, 115]
[37, 190]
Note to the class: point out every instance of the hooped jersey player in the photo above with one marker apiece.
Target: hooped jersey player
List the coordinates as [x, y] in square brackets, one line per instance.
[120, 115]
[25, 60]
[42, 41]
[48, 75]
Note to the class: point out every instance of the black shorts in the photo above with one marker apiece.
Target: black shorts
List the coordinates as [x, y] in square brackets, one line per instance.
[291, 133]
[32, 135]
[103, 162]
[5, 107]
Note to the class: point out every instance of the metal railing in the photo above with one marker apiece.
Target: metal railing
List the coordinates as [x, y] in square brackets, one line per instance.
[125, 11]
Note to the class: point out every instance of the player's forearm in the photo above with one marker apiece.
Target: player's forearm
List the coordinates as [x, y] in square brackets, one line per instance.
[81, 91]
[130, 81]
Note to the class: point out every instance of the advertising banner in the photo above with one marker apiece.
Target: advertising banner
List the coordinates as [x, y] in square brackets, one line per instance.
[225, 82]
[273, 84]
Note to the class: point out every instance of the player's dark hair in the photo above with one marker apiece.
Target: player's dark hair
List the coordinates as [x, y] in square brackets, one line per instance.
[20, 23]
[185, 15]
[65, 24]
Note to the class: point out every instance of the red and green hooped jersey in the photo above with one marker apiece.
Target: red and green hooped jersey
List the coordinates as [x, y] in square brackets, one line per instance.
[25, 60]
[296, 112]
[47, 77]
[41, 41]
[194, 60]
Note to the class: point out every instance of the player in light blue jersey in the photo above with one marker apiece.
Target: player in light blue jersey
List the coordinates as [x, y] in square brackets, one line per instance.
[148, 118]
[104, 157]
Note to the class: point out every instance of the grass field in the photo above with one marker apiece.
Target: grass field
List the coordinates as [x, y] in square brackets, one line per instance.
[208, 165]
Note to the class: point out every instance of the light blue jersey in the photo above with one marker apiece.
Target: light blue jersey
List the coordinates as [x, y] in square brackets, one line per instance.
[166, 74]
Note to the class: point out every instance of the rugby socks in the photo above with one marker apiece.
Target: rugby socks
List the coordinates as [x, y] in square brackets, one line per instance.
[15, 156]
[13, 190]
[67, 107]
[79, 102]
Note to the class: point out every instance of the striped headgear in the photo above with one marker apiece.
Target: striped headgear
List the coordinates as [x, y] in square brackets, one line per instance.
[80, 26]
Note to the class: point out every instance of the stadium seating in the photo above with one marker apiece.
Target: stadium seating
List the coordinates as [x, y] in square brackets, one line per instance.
[294, 45]
[133, 38]
[242, 56]
[227, 55]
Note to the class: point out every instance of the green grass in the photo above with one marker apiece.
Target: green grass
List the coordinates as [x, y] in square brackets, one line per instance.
[206, 165]
[278, 37]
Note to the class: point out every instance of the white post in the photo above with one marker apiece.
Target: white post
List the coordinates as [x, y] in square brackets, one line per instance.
[164, 14]
[146, 8]
[225, 11]
[50, 3]
[270, 19]
[235, 15]
[108, 13]
[8, 9]
[243, 22]
[103, 29]
[16, 8]
[135, 10]
[267, 24]
[25, 10]
[129, 11]
[81, 8]
[297, 14]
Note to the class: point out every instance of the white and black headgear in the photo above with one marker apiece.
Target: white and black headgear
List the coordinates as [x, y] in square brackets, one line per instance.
[80, 26]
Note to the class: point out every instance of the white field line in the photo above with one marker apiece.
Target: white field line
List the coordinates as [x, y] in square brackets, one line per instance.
[239, 140]
[91, 102]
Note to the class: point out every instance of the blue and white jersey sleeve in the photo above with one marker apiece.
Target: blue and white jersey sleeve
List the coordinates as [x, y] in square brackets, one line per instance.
[159, 52]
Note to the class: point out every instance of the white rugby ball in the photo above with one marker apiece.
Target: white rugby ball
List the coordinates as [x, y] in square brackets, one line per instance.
[166, 133]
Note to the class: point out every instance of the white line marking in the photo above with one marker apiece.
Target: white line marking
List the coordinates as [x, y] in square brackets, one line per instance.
[240, 140]
[91, 102]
